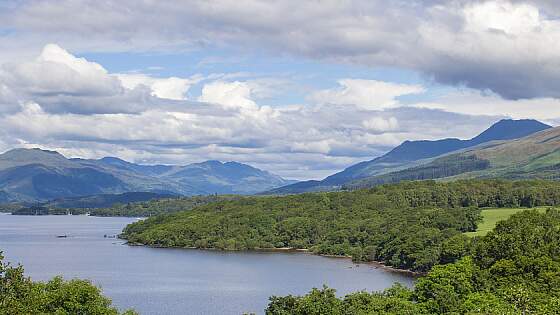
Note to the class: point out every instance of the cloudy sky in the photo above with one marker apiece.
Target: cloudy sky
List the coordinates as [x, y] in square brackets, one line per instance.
[299, 88]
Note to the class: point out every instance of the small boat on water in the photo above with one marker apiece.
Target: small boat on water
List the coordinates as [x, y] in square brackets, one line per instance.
[62, 236]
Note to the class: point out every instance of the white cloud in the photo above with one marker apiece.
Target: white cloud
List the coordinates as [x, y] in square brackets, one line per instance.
[502, 16]
[229, 94]
[509, 47]
[239, 97]
[472, 102]
[61, 82]
[54, 53]
[172, 88]
[366, 94]
[56, 71]
[381, 125]
[322, 146]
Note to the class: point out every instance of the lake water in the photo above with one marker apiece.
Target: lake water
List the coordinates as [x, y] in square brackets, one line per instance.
[173, 281]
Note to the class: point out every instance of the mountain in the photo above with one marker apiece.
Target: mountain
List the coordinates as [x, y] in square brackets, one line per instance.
[412, 153]
[536, 156]
[150, 170]
[38, 175]
[33, 174]
[226, 178]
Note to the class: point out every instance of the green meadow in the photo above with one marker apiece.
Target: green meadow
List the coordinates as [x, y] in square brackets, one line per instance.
[491, 216]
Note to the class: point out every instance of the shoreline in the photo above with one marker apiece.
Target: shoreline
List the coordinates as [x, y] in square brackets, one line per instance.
[375, 264]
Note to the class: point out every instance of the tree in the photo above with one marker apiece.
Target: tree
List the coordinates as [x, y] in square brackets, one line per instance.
[20, 295]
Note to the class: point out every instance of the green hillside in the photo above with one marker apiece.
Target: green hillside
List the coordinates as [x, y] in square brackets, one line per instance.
[514, 269]
[536, 156]
[412, 225]
[410, 154]
[490, 217]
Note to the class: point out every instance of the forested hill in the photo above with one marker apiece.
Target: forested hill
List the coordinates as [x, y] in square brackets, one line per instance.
[145, 208]
[104, 200]
[513, 270]
[409, 225]
[410, 153]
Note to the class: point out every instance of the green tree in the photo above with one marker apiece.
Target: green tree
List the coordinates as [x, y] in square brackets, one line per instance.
[20, 295]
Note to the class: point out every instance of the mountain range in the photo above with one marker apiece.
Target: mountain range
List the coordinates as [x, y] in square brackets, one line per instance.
[536, 156]
[38, 175]
[508, 149]
[413, 154]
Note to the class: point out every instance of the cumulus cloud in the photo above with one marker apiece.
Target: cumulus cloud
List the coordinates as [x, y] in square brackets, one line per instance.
[366, 94]
[507, 46]
[473, 102]
[56, 72]
[502, 46]
[61, 82]
[172, 88]
[380, 125]
[230, 94]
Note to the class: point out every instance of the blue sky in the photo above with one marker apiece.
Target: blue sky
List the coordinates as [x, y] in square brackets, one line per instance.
[302, 89]
[305, 74]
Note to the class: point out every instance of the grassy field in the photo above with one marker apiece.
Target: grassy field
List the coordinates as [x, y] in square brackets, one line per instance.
[494, 215]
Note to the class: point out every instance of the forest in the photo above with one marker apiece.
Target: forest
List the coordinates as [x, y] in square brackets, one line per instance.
[515, 269]
[446, 166]
[411, 225]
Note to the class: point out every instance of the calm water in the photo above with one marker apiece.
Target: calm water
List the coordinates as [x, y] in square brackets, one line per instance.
[173, 281]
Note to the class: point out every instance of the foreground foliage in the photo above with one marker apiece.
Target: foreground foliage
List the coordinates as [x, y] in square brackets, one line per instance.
[20, 295]
[515, 269]
[413, 225]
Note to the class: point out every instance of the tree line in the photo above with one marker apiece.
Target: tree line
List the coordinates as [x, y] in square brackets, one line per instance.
[411, 225]
[514, 269]
[132, 209]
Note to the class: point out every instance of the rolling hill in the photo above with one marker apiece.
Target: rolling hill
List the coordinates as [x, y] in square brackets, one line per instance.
[414, 153]
[534, 156]
[30, 175]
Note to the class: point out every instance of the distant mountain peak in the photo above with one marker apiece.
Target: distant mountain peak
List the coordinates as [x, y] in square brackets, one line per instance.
[28, 150]
[35, 155]
[507, 129]
[212, 162]
[112, 159]
[536, 156]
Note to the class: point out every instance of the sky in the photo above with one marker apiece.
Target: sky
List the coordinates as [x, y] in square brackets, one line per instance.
[302, 89]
